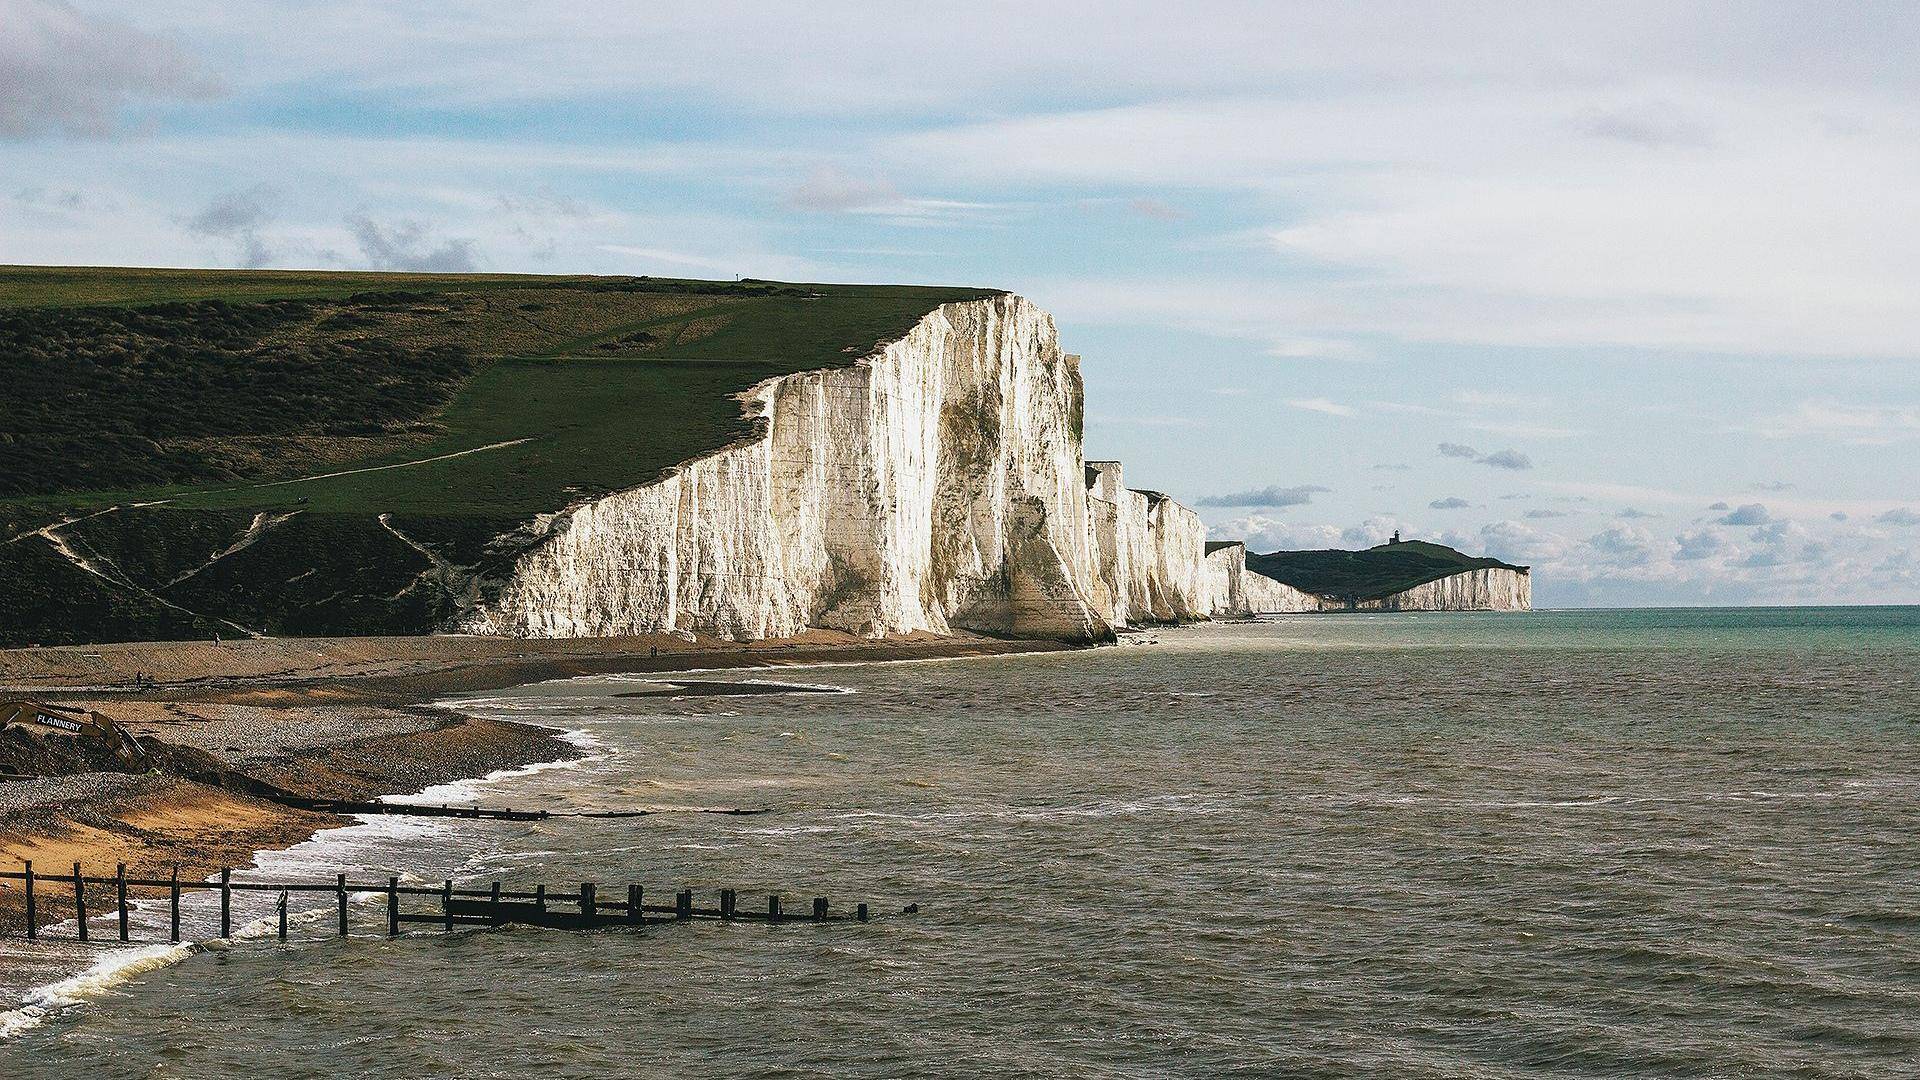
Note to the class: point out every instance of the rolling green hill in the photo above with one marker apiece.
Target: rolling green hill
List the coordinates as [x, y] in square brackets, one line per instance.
[321, 452]
[1369, 574]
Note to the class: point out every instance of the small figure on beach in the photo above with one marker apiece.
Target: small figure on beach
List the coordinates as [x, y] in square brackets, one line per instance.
[653, 653]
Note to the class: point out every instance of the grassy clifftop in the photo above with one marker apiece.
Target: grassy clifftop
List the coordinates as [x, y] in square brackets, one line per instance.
[327, 452]
[201, 386]
[1370, 574]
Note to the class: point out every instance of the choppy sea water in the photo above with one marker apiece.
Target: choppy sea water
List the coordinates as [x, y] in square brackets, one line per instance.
[1668, 843]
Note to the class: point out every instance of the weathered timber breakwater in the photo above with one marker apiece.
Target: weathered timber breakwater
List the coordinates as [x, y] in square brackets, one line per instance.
[493, 907]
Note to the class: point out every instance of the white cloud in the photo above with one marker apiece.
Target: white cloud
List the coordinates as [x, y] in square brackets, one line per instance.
[1499, 459]
[1264, 533]
[1298, 495]
[1321, 405]
[407, 245]
[1860, 425]
[240, 217]
[66, 71]
[1485, 399]
[1302, 348]
[1374, 531]
[1518, 542]
[828, 188]
[1701, 544]
[1520, 430]
[1408, 408]
[1485, 210]
[1623, 545]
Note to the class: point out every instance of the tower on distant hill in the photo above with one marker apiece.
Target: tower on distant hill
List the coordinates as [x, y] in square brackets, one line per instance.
[1396, 537]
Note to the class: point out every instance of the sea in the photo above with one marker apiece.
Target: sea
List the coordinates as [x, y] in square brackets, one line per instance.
[1641, 843]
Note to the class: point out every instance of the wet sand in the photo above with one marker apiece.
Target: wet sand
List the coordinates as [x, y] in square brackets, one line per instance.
[151, 823]
[411, 669]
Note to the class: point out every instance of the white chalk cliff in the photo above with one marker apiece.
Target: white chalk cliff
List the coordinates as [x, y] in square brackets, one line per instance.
[1488, 589]
[937, 484]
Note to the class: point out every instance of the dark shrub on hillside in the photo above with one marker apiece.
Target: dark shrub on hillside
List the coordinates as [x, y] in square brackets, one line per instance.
[100, 397]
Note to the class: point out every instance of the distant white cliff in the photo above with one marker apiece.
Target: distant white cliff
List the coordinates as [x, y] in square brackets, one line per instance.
[1487, 589]
[935, 485]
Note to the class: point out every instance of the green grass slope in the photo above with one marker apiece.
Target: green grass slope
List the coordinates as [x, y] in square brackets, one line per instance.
[1369, 574]
[331, 452]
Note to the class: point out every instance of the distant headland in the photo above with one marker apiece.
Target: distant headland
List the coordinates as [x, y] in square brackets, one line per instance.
[1399, 575]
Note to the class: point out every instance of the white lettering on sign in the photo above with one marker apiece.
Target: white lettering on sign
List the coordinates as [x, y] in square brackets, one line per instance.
[60, 722]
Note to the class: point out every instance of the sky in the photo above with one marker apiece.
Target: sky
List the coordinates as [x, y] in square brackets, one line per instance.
[1626, 292]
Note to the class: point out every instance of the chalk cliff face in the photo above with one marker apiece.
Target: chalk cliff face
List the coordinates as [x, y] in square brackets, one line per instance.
[1236, 590]
[1491, 589]
[1149, 553]
[1226, 569]
[935, 485]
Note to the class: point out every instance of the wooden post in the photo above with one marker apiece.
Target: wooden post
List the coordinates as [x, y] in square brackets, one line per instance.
[819, 909]
[393, 907]
[33, 927]
[340, 898]
[773, 908]
[540, 899]
[683, 904]
[283, 914]
[634, 911]
[494, 905]
[446, 903]
[226, 902]
[728, 898]
[120, 894]
[80, 900]
[586, 901]
[860, 913]
[173, 904]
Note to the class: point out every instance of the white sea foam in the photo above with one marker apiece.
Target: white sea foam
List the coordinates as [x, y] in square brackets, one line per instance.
[323, 854]
[469, 789]
[112, 968]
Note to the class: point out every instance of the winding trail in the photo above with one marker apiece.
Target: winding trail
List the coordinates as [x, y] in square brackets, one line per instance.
[382, 468]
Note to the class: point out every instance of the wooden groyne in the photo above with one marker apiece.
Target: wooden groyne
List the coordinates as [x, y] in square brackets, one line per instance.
[573, 908]
[352, 806]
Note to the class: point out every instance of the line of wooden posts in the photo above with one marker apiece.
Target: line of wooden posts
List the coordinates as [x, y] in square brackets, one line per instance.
[493, 906]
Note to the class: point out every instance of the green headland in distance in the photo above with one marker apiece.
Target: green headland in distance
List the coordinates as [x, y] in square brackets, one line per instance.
[1369, 574]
